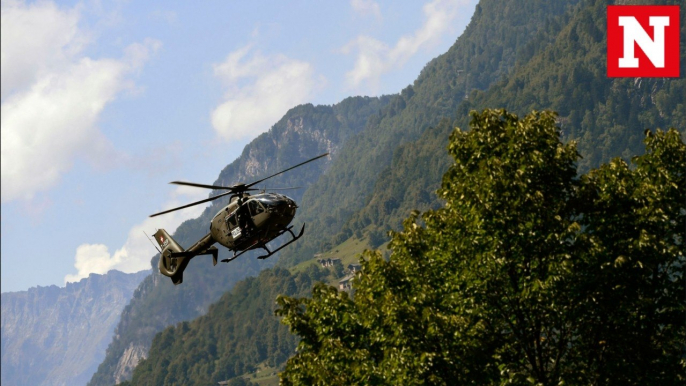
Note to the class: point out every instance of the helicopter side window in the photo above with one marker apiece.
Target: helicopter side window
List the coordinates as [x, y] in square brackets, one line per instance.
[255, 207]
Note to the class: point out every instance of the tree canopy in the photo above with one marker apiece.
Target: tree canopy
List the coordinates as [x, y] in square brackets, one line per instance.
[529, 274]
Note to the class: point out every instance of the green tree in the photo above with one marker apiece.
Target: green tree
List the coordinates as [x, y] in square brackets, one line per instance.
[630, 268]
[528, 274]
[338, 269]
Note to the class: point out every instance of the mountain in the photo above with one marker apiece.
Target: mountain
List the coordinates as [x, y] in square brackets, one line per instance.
[562, 68]
[233, 338]
[606, 116]
[483, 54]
[58, 336]
[305, 131]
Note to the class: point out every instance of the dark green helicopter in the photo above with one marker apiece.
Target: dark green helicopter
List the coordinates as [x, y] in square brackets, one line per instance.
[248, 222]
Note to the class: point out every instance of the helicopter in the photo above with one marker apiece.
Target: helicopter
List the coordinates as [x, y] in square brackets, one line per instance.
[247, 223]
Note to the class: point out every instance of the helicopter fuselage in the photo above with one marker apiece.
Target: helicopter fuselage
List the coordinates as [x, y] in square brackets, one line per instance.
[252, 220]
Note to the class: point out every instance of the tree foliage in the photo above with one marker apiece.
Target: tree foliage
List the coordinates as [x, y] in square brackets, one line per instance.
[530, 274]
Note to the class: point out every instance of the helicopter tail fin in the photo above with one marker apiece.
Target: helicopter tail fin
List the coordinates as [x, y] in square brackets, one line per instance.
[167, 242]
[171, 264]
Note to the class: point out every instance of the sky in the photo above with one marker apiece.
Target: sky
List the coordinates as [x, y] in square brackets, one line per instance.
[105, 102]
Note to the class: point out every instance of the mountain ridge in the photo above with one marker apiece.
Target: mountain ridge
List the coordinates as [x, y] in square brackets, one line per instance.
[57, 335]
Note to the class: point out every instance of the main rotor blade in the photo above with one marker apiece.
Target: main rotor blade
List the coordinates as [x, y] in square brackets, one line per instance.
[292, 187]
[283, 171]
[191, 204]
[201, 185]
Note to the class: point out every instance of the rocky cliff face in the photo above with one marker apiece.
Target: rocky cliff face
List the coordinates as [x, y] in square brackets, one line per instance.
[128, 361]
[58, 336]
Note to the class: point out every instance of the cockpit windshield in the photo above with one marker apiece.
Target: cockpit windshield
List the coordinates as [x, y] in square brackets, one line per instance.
[270, 199]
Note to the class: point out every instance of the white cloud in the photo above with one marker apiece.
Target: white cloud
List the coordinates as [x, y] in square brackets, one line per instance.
[136, 253]
[374, 58]
[366, 8]
[260, 90]
[36, 39]
[52, 96]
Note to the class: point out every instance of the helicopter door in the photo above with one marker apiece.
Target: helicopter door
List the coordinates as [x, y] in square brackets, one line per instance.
[232, 223]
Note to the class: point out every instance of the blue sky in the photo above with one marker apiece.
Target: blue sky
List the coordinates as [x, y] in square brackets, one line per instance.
[105, 102]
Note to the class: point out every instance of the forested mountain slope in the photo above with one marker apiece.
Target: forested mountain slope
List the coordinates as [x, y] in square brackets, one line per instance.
[483, 53]
[235, 335]
[305, 131]
[560, 69]
[607, 116]
[58, 335]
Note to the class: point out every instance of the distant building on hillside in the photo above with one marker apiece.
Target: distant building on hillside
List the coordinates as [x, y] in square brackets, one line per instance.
[354, 268]
[328, 262]
[346, 283]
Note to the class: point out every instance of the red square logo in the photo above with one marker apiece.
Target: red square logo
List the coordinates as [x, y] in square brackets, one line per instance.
[643, 41]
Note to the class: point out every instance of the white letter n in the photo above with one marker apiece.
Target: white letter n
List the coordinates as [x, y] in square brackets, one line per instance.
[633, 32]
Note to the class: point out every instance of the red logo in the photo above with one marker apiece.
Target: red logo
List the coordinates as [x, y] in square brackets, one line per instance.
[643, 41]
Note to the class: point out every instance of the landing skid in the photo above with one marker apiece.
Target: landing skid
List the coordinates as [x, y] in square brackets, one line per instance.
[269, 253]
[264, 246]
